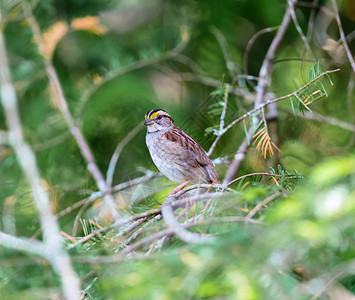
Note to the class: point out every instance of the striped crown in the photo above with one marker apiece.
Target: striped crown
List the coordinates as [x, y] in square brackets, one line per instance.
[155, 113]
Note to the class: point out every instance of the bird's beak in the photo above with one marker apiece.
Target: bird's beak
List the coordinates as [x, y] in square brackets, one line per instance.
[148, 122]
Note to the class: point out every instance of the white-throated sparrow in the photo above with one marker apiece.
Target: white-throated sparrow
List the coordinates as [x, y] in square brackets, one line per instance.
[177, 155]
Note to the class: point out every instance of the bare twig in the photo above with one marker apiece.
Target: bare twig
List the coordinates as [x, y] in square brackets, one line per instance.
[207, 186]
[189, 62]
[231, 67]
[51, 142]
[141, 229]
[251, 43]
[22, 244]
[116, 154]
[79, 214]
[325, 10]
[129, 229]
[58, 95]
[208, 81]
[27, 160]
[291, 4]
[178, 230]
[135, 181]
[327, 119]
[225, 104]
[264, 73]
[132, 67]
[342, 36]
[251, 175]
[262, 204]
[311, 21]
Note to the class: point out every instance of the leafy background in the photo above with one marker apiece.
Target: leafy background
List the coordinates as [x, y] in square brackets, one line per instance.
[115, 61]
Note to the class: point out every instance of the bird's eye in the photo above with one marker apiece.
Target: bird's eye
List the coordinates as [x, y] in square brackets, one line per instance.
[158, 117]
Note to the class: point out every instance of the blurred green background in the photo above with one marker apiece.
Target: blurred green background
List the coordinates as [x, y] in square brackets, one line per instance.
[116, 60]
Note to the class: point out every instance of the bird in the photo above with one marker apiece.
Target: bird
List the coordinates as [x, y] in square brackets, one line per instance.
[176, 154]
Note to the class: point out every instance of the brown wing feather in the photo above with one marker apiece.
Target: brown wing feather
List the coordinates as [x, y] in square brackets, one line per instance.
[195, 152]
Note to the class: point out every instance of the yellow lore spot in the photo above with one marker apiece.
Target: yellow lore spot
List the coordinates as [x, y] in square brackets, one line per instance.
[154, 115]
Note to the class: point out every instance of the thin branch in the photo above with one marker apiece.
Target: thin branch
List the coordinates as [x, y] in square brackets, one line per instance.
[263, 83]
[157, 218]
[130, 68]
[135, 181]
[342, 36]
[164, 233]
[140, 230]
[311, 21]
[119, 223]
[261, 92]
[189, 62]
[149, 213]
[226, 53]
[22, 244]
[184, 235]
[116, 154]
[251, 175]
[79, 214]
[58, 95]
[51, 142]
[304, 105]
[325, 10]
[27, 160]
[96, 195]
[170, 231]
[264, 73]
[225, 104]
[251, 112]
[291, 4]
[262, 204]
[208, 81]
[251, 43]
[327, 119]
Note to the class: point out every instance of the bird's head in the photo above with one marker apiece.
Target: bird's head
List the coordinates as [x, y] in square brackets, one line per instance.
[158, 120]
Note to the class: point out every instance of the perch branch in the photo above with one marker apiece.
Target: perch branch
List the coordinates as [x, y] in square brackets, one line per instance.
[149, 213]
[170, 219]
[164, 233]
